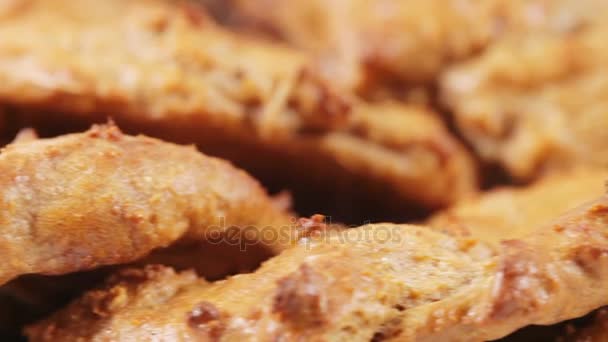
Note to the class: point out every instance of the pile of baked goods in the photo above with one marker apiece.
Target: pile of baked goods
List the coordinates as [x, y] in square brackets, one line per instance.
[226, 170]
